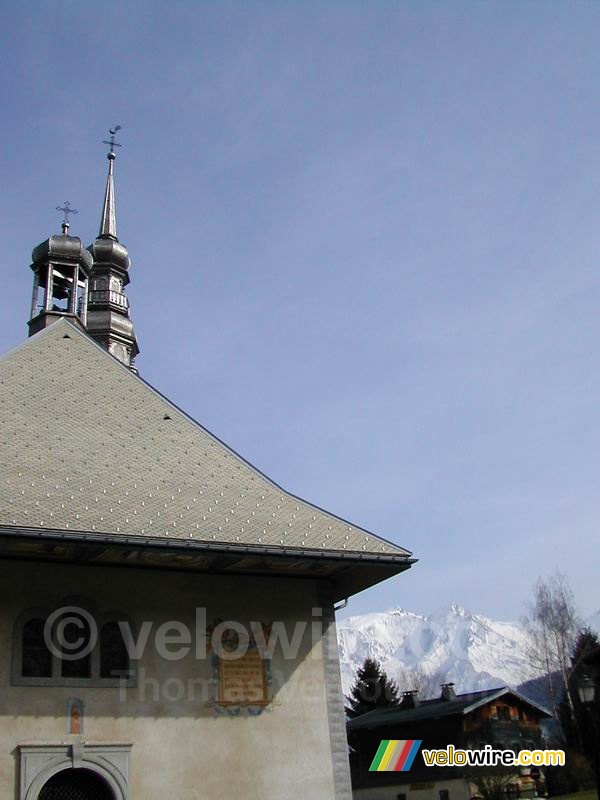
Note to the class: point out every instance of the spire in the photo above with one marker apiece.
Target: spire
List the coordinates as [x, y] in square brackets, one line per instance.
[108, 222]
[108, 320]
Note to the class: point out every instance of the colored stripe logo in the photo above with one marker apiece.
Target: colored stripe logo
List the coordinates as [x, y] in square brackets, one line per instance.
[395, 755]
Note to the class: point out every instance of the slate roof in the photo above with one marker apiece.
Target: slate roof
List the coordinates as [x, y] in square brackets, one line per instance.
[88, 446]
[437, 708]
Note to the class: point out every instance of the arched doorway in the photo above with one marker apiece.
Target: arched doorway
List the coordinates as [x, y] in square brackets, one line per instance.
[76, 784]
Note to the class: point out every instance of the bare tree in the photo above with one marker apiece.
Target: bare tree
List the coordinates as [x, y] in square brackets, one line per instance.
[492, 783]
[416, 679]
[552, 625]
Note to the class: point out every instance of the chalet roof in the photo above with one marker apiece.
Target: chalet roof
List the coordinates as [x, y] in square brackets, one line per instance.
[438, 708]
[86, 445]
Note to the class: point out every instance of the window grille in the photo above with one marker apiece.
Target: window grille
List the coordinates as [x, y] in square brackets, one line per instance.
[76, 784]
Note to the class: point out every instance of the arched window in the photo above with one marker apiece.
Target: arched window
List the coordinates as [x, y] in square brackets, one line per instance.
[36, 658]
[76, 656]
[114, 659]
[86, 648]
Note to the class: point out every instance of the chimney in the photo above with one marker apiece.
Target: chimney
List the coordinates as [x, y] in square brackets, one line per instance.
[409, 699]
[448, 692]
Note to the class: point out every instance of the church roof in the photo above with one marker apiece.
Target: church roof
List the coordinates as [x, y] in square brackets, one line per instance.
[87, 446]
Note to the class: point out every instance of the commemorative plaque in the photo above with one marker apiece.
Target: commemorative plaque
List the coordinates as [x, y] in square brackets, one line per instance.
[243, 681]
[241, 674]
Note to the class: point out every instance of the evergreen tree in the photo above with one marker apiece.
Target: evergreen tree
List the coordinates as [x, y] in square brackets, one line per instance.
[372, 689]
[587, 721]
[579, 725]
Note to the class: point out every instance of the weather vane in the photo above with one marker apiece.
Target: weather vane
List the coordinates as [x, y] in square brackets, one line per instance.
[66, 211]
[112, 144]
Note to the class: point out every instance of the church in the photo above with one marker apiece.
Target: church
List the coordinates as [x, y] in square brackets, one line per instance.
[167, 611]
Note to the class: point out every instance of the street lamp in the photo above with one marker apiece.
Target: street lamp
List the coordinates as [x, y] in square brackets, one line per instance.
[586, 689]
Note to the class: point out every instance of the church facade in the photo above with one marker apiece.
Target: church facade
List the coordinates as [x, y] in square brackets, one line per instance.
[167, 612]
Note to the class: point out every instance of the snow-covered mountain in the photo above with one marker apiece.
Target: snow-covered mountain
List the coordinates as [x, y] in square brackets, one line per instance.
[420, 652]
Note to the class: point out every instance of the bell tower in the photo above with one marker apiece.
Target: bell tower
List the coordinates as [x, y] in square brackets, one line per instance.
[61, 268]
[108, 320]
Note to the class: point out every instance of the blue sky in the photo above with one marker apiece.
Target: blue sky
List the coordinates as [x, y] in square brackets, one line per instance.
[366, 253]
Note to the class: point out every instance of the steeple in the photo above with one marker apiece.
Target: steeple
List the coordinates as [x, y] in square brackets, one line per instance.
[108, 223]
[108, 319]
[61, 268]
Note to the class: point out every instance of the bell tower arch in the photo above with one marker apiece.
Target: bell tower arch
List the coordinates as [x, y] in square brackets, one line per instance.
[61, 269]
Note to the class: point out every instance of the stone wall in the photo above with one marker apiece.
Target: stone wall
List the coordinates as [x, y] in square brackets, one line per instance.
[180, 747]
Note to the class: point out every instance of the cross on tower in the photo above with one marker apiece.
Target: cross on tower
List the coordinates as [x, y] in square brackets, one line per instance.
[112, 144]
[66, 211]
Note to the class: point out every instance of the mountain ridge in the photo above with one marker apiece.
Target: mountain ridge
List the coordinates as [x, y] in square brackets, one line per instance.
[450, 644]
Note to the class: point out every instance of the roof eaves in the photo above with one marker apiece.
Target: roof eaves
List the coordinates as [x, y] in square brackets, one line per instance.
[408, 716]
[496, 693]
[493, 694]
[200, 544]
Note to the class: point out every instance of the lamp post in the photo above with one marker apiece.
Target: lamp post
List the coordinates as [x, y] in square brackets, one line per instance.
[586, 689]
